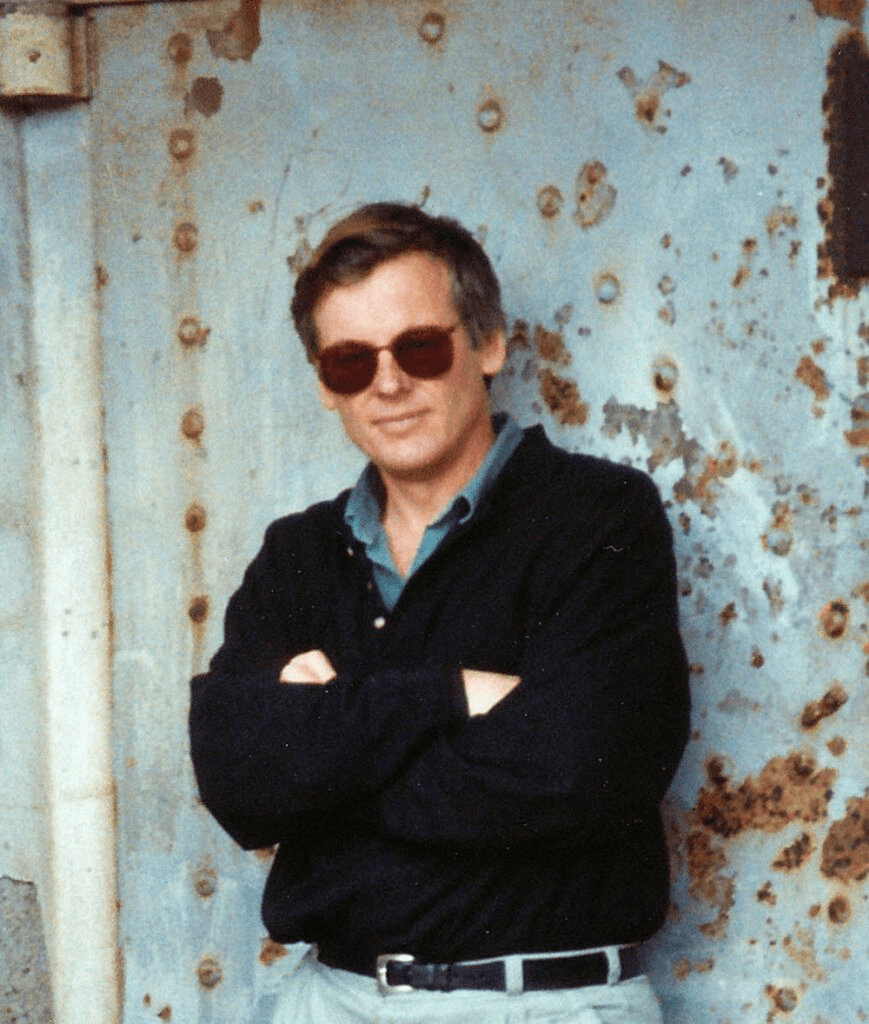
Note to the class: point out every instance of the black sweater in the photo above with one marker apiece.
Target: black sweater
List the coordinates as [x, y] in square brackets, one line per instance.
[403, 824]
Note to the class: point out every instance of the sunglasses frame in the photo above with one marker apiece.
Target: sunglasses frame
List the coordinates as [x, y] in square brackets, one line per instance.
[370, 357]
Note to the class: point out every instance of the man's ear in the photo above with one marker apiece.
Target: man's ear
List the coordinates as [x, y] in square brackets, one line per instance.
[493, 353]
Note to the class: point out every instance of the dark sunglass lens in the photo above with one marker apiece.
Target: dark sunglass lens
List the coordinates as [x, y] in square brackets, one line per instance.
[346, 369]
[425, 353]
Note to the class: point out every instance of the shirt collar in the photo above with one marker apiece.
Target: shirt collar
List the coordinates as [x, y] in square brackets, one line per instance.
[363, 510]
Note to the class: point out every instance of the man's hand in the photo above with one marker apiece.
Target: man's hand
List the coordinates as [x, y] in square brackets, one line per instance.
[484, 690]
[308, 667]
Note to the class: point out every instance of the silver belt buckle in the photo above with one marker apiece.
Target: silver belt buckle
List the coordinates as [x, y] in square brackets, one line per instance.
[383, 961]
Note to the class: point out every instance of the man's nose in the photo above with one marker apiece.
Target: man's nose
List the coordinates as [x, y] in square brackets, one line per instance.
[390, 378]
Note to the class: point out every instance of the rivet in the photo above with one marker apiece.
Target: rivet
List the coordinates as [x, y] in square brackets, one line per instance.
[549, 201]
[432, 28]
[180, 48]
[199, 608]
[205, 882]
[191, 333]
[185, 237]
[209, 973]
[193, 424]
[181, 144]
[608, 288]
[195, 518]
[490, 116]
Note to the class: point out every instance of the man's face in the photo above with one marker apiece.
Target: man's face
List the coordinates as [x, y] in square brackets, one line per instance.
[411, 429]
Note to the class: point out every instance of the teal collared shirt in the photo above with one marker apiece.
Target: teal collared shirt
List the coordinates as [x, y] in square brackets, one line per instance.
[363, 511]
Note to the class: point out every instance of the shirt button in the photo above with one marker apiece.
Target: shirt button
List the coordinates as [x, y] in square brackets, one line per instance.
[350, 552]
[379, 622]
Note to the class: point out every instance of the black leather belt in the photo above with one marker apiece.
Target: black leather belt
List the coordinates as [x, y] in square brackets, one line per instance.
[400, 972]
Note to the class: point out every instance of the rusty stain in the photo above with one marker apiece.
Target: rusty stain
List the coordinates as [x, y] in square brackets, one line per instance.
[432, 28]
[729, 168]
[256, 206]
[794, 855]
[240, 36]
[829, 704]
[198, 609]
[846, 10]
[205, 96]
[845, 854]
[271, 951]
[863, 371]
[181, 144]
[665, 375]
[205, 882]
[834, 619]
[778, 538]
[844, 256]
[837, 746]
[784, 999]
[549, 201]
[266, 853]
[195, 518]
[705, 862]
[728, 614]
[185, 237]
[490, 116]
[562, 398]
[193, 424]
[813, 377]
[595, 196]
[682, 968]
[766, 895]
[191, 333]
[550, 346]
[647, 95]
[667, 314]
[741, 276]
[607, 287]
[800, 947]
[859, 437]
[781, 220]
[666, 286]
[839, 910]
[101, 277]
[209, 972]
[165, 1013]
[520, 336]
[757, 658]
[180, 48]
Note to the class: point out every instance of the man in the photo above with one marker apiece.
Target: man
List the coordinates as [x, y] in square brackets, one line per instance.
[455, 695]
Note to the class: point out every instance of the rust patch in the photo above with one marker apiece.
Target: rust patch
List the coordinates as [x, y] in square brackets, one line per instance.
[784, 1000]
[834, 619]
[800, 947]
[706, 862]
[595, 196]
[562, 398]
[757, 658]
[193, 425]
[788, 789]
[845, 854]
[205, 96]
[549, 201]
[205, 882]
[195, 518]
[101, 277]
[647, 95]
[837, 746]
[728, 614]
[198, 609]
[240, 37]
[209, 972]
[165, 1013]
[859, 437]
[846, 10]
[766, 895]
[665, 375]
[191, 333]
[781, 221]
[794, 855]
[432, 28]
[607, 288]
[550, 346]
[180, 48]
[271, 951]
[829, 704]
[778, 539]
[520, 336]
[839, 910]
[863, 371]
[490, 116]
[266, 853]
[845, 210]
[185, 237]
[729, 168]
[813, 377]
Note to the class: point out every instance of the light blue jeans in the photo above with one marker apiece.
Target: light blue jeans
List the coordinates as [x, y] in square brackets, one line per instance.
[315, 994]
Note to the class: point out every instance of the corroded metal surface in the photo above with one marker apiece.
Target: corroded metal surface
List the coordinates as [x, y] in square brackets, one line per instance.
[647, 178]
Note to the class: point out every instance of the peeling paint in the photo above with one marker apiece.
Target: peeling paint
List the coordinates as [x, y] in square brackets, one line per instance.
[271, 951]
[813, 377]
[647, 94]
[205, 96]
[835, 698]
[834, 619]
[550, 346]
[562, 397]
[846, 10]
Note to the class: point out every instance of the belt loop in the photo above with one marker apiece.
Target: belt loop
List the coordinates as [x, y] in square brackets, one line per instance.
[615, 965]
[514, 975]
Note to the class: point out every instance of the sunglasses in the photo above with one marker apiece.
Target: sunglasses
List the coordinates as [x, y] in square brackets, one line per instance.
[421, 352]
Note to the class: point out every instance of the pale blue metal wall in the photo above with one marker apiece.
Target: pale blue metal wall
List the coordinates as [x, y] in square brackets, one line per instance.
[646, 178]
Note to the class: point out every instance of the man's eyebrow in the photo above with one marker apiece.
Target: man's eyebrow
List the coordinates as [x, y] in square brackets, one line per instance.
[408, 331]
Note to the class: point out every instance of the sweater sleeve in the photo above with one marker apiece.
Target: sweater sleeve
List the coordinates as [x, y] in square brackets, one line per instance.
[271, 758]
[584, 748]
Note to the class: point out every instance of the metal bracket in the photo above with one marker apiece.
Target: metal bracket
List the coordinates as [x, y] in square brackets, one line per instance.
[44, 54]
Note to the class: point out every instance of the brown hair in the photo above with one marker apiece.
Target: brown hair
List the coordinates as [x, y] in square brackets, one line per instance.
[377, 232]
